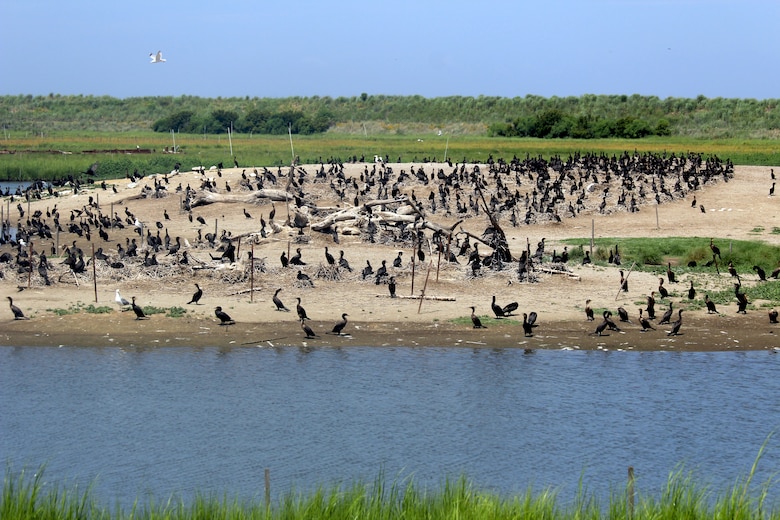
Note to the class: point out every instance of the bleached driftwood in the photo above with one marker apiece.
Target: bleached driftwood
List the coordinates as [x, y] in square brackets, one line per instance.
[434, 298]
[204, 197]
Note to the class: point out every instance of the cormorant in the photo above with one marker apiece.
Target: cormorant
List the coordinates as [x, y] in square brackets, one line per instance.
[661, 289]
[397, 261]
[651, 306]
[670, 273]
[623, 282]
[676, 325]
[367, 270]
[296, 258]
[715, 250]
[732, 269]
[284, 260]
[300, 310]
[304, 278]
[502, 312]
[710, 305]
[760, 272]
[343, 262]
[529, 323]
[279, 305]
[643, 321]
[773, 316]
[476, 321]
[139, 312]
[224, 319]
[196, 296]
[18, 314]
[691, 292]
[307, 330]
[623, 315]
[667, 315]
[588, 311]
[329, 257]
[391, 286]
[339, 326]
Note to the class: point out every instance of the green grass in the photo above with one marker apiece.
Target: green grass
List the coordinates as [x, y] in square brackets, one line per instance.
[79, 307]
[26, 496]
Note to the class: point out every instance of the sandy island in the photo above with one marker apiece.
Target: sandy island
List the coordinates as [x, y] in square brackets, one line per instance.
[740, 209]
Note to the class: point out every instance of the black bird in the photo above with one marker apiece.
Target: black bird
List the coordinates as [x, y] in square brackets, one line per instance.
[279, 305]
[196, 296]
[381, 273]
[139, 312]
[667, 315]
[732, 269]
[502, 312]
[676, 325]
[397, 261]
[476, 321]
[715, 250]
[367, 270]
[201, 220]
[296, 258]
[391, 286]
[588, 311]
[670, 273]
[529, 323]
[304, 278]
[284, 260]
[691, 292]
[339, 326]
[742, 301]
[343, 263]
[643, 321]
[18, 314]
[329, 257]
[760, 272]
[301, 311]
[773, 316]
[307, 330]
[651, 306]
[661, 289]
[623, 315]
[623, 282]
[710, 305]
[246, 214]
[601, 327]
[224, 319]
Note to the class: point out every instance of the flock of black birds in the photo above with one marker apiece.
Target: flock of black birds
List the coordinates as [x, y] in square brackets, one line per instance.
[520, 191]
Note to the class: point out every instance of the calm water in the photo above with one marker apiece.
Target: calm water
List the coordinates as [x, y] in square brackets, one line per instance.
[173, 421]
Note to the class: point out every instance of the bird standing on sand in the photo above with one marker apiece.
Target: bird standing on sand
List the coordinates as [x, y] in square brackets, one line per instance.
[691, 292]
[710, 305]
[196, 296]
[676, 325]
[18, 314]
[391, 286]
[339, 326]
[773, 316]
[588, 311]
[123, 304]
[278, 302]
[139, 312]
[644, 322]
[475, 320]
[307, 330]
[224, 319]
[300, 310]
[529, 323]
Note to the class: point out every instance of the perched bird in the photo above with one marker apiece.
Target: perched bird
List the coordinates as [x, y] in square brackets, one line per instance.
[123, 304]
[588, 311]
[651, 306]
[476, 321]
[710, 305]
[502, 312]
[284, 260]
[773, 316]
[601, 327]
[139, 312]
[715, 250]
[307, 330]
[691, 292]
[300, 310]
[224, 319]
[339, 326]
[18, 314]
[661, 289]
[279, 305]
[329, 257]
[670, 274]
[676, 325]
[760, 272]
[397, 262]
[667, 315]
[623, 315]
[196, 296]
[529, 323]
[391, 286]
[623, 282]
[304, 278]
[644, 322]
[732, 269]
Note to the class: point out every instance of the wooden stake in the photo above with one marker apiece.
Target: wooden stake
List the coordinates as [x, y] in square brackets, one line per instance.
[626, 279]
[425, 285]
[94, 273]
[252, 275]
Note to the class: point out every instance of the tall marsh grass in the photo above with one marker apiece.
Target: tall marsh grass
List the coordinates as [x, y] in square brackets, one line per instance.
[28, 496]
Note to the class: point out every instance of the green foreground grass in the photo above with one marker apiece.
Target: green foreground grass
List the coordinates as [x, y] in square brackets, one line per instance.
[30, 497]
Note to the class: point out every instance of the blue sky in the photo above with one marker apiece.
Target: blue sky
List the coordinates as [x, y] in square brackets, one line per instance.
[665, 48]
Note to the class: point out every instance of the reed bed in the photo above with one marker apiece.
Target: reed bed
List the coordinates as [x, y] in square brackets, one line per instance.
[27, 496]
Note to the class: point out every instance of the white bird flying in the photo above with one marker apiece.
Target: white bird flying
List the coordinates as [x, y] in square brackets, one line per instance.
[157, 58]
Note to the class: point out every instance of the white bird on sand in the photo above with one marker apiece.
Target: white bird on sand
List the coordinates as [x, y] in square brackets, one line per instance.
[121, 301]
[156, 58]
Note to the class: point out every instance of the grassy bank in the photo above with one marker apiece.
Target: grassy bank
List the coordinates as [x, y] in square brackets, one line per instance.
[32, 157]
[28, 496]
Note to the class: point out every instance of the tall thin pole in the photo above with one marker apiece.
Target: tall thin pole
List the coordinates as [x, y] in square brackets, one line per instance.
[230, 139]
[94, 273]
[252, 275]
[447, 147]
[289, 132]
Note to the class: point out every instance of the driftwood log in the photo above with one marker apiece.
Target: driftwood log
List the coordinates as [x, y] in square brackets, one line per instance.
[204, 197]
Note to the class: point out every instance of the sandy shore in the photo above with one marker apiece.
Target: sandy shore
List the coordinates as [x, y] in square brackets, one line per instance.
[735, 212]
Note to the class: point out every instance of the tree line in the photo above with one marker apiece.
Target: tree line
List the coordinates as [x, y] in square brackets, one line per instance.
[584, 116]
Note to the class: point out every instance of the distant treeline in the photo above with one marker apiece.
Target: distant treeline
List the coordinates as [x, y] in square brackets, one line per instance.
[587, 116]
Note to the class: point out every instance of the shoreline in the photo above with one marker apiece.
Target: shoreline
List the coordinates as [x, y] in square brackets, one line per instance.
[699, 334]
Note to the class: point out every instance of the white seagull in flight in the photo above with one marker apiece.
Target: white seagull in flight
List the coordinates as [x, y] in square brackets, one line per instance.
[157, 58]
